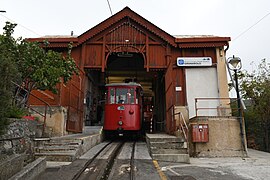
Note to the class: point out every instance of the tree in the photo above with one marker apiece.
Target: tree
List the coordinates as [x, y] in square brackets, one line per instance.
[255, 87]
[42, 69]
[8, 72]
[27, 63]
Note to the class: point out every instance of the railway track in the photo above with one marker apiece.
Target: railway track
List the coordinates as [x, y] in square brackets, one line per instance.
[114, 161]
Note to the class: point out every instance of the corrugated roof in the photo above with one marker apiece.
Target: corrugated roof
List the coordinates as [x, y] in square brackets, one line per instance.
[58, 36]
[194, 36]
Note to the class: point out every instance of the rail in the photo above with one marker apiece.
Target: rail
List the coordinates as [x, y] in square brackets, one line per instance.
[44, 115]
[223, 107]
[182, 123]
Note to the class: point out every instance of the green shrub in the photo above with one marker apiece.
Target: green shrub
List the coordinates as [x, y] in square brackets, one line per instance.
[16, 112]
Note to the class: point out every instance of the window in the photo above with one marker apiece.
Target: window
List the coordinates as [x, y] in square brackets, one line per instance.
[112, 96]
[131, 96]
[122, 95]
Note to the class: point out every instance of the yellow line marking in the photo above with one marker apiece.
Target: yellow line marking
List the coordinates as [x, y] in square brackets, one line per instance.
[161, 174]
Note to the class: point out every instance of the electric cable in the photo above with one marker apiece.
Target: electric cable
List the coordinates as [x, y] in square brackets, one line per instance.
[109, 7]
[251, 27]
[20, 25]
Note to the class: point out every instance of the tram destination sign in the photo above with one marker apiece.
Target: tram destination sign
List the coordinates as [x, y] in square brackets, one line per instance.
[194, 61]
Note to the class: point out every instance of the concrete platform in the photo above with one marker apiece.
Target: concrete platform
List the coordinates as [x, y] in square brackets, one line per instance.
[31, 170]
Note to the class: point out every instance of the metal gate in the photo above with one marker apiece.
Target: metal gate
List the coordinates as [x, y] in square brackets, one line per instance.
[75, 106]
[169, 89]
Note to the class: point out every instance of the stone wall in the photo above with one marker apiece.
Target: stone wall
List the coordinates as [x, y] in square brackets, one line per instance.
[224, 138]
[16, 146]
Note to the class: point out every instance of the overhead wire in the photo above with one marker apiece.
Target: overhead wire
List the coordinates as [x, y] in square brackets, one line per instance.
[109, 7]
[251, 26]
[20, 25]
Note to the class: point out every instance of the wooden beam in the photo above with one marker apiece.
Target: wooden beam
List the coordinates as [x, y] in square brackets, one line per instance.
[147, 53]
[103, 55]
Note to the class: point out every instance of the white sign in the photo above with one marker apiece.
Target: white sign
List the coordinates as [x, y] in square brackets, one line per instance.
[178, 88]
[194, 61]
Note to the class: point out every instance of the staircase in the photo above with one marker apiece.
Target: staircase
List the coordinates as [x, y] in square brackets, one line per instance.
[66, 148]
[165, 147]
[58, 150]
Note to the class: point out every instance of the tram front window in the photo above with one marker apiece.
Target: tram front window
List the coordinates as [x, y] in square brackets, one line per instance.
[122, 96]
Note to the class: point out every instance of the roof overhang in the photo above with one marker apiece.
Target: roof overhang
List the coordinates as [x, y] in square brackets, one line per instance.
[175, 41]
[201, 41]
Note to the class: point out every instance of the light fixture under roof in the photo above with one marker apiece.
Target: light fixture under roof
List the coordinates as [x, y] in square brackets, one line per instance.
[123, 54]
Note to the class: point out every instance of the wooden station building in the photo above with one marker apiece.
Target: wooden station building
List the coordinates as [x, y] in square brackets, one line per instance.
[173, 71]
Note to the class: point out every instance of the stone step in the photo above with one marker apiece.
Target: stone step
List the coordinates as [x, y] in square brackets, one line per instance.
[182, 158]
[61, 144]
[57, 142]
[164, 138]
[72, 141]
[68, 156]
[155, 150]
[55, 148]
[166, 145]
[172, 139]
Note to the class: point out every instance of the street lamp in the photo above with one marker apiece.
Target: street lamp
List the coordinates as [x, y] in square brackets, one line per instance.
[235, 65]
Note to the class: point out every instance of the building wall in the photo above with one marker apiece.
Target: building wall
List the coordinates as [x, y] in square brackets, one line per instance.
[202, 83]
[224, 138]
[55, 121]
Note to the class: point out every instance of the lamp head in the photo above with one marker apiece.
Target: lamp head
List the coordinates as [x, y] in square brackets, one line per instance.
[235, 62]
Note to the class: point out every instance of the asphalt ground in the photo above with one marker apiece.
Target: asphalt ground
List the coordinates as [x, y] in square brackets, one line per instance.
[256, 167]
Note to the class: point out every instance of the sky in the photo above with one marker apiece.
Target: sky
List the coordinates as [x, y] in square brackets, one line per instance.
[247, 22]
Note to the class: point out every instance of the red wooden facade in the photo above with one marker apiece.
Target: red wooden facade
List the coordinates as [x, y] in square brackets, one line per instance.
[128, 32]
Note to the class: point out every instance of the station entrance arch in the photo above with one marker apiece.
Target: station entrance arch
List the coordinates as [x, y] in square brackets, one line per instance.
[128, 50]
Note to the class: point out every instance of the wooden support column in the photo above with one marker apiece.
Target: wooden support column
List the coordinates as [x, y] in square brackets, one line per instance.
[103, 55]
[147, 53]
[82, 56]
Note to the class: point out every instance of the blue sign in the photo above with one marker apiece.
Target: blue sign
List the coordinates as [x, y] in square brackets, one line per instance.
[194, 61]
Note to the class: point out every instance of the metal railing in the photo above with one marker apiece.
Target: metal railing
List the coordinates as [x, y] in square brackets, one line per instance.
[183, 126]
[44, 115]
[223, 107]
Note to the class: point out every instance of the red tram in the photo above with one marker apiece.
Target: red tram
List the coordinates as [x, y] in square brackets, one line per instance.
[123, 109]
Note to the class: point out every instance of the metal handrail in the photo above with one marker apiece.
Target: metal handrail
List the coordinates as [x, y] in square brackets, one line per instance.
[29, 107]
[183, 124]
[216, 107]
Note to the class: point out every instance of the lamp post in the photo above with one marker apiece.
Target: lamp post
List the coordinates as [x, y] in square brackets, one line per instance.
[235, 65]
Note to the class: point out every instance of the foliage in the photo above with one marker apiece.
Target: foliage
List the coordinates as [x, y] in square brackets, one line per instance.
[27, 63]
[16, 112]
[43, 69]
[8, 72]
[255, 87]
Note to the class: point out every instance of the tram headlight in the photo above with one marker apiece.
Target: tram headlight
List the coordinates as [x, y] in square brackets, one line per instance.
[120, 123]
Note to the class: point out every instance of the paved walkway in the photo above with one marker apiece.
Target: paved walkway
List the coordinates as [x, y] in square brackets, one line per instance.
[256, 166]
